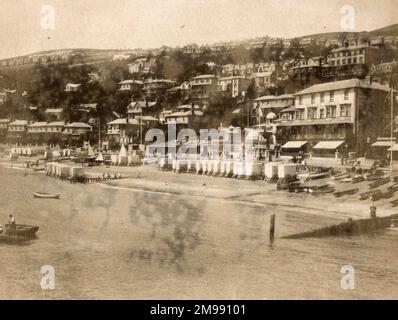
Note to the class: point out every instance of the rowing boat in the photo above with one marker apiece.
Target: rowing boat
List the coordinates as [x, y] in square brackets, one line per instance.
[18, 233]
[43, 195]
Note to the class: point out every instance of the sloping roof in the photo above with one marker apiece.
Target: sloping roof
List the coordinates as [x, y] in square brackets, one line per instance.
[54, 110]
[289, 109]
[384, 142]
[344, 84]
[131, 82]
[232, 77]
[174, 89]
[204, 76]
[269, 98]
[149, 118]
[141, 104]
[394, 148]
[56, 124]
[5, 120]
[188, 106]
[37, 124]
[159, 80]
[329, 145]
[124, 121]
[78, 125]
[89, 105]
[183, 114]
[294, 144]
[19, 123]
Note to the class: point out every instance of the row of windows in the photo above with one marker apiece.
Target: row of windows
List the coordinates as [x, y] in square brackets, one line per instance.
[343, 61]
[349, 53]
[328, 112]
[44, 129]
[322, 97]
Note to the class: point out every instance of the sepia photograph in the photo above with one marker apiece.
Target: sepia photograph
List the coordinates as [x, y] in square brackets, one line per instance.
[199, 150]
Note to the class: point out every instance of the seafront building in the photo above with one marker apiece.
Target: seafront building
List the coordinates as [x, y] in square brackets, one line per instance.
[333, 115]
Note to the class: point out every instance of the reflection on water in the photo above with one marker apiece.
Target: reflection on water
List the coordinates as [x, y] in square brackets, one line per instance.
[109, 243]
[174, 230]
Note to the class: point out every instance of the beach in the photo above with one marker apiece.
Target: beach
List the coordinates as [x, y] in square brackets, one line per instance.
[161, 235]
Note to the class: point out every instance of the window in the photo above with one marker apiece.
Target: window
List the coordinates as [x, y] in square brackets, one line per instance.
[355, 60]
[321, 113]
[313, 99]
[311, 113]
[345, 110]
[331, 96]
[300, 100]
[331, 112]
[299, 114]
[346, 94]
[322, 97]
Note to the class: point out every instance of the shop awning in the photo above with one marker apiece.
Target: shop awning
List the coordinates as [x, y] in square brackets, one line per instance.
[329, 145]
[289, 109]
[394, 147]
[383, 143]
[294, 144]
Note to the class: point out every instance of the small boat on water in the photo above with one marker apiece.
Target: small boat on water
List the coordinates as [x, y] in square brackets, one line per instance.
[18, 233]
[43, 195]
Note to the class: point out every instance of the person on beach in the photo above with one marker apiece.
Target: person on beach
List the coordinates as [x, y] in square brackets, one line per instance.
[12, 222]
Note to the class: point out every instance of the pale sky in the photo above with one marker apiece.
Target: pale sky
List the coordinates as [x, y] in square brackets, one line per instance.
[129, 24]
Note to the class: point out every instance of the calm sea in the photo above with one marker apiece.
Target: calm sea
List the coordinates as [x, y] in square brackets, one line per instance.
[108, 243]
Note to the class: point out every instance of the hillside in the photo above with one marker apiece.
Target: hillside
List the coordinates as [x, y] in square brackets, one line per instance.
[89, 56]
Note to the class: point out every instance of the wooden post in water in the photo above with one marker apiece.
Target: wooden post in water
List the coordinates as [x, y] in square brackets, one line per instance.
[272, 228]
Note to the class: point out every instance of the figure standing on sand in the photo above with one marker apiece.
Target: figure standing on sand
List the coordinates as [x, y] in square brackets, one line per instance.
[12, 222]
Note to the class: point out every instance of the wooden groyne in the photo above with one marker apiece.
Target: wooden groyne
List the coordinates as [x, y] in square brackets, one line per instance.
[351, 227]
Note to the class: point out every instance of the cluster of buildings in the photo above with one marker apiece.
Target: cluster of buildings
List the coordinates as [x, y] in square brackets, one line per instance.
[19, 131]
[345, 113]
[329, 119]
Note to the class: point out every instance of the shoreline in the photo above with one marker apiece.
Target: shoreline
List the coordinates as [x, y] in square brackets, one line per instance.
[256, 193]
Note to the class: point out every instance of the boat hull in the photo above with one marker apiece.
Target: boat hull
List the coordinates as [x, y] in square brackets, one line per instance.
[18, 233]
[45, 195]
